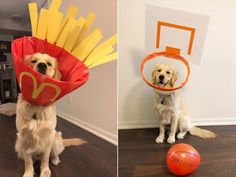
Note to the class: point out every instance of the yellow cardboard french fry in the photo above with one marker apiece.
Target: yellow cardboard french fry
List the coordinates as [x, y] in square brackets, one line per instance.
[71, 13]
[89, 47]
[74, 32]
[105, 59]
[95, 34]
[33, 12]
[89, 21]
[54, 25]
[43, 24]
[55, 5]
[65, 32]
[90, 60]
[109, 42]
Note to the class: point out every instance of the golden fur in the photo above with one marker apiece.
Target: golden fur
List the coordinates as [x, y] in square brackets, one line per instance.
[169, 108]
[36, 134]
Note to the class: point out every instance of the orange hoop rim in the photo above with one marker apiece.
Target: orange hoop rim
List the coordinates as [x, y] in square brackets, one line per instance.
[171, 56]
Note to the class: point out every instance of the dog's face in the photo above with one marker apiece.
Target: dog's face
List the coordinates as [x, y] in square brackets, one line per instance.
[164, 76]
[44, 64]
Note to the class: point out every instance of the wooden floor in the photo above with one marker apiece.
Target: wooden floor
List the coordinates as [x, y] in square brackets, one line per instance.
[97, 158]
[140, 156]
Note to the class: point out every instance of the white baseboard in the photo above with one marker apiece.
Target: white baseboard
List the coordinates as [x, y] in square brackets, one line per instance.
[112, 138]
[208, 121]
[214, 121]
[135, 124]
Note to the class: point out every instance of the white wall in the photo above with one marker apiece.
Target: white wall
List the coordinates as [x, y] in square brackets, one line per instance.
[211, 92]
[94, 105]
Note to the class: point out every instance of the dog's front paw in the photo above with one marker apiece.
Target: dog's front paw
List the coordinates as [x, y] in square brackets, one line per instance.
[55, 160]
[180, 135]
[171, 139]
[159, 139]
[28, 174]
[45, 173]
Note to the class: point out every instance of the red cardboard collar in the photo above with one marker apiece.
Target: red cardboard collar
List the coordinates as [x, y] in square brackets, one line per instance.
[37, 88]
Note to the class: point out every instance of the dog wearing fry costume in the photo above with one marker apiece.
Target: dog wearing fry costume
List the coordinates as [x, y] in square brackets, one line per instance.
[51, 63]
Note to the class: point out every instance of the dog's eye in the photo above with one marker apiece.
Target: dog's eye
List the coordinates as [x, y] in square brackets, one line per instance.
[167, 72]
[159, 70]
[49, 64]
[33, 61]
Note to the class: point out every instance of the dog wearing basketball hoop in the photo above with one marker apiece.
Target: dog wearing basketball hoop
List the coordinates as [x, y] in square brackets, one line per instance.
[169, 108]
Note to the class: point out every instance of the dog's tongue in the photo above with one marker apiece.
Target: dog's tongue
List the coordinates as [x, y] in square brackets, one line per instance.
[161, 85]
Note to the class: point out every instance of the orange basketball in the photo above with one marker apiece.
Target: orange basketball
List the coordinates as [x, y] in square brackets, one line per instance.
[183, 159]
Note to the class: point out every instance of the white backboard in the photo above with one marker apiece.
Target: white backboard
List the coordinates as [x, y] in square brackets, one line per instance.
[177, 28]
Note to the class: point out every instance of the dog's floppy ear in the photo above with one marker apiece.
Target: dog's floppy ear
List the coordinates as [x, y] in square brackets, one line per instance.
[154, 76]
[173, 79]
[57, 74]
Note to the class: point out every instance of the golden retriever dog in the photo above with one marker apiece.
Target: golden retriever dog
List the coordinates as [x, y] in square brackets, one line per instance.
[169, 108]
[36, 134]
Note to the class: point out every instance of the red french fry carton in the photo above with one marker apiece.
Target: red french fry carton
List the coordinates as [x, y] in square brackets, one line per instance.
[39, 89]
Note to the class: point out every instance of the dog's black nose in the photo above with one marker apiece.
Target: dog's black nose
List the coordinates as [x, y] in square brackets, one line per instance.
[161, 77]
[42, 68]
